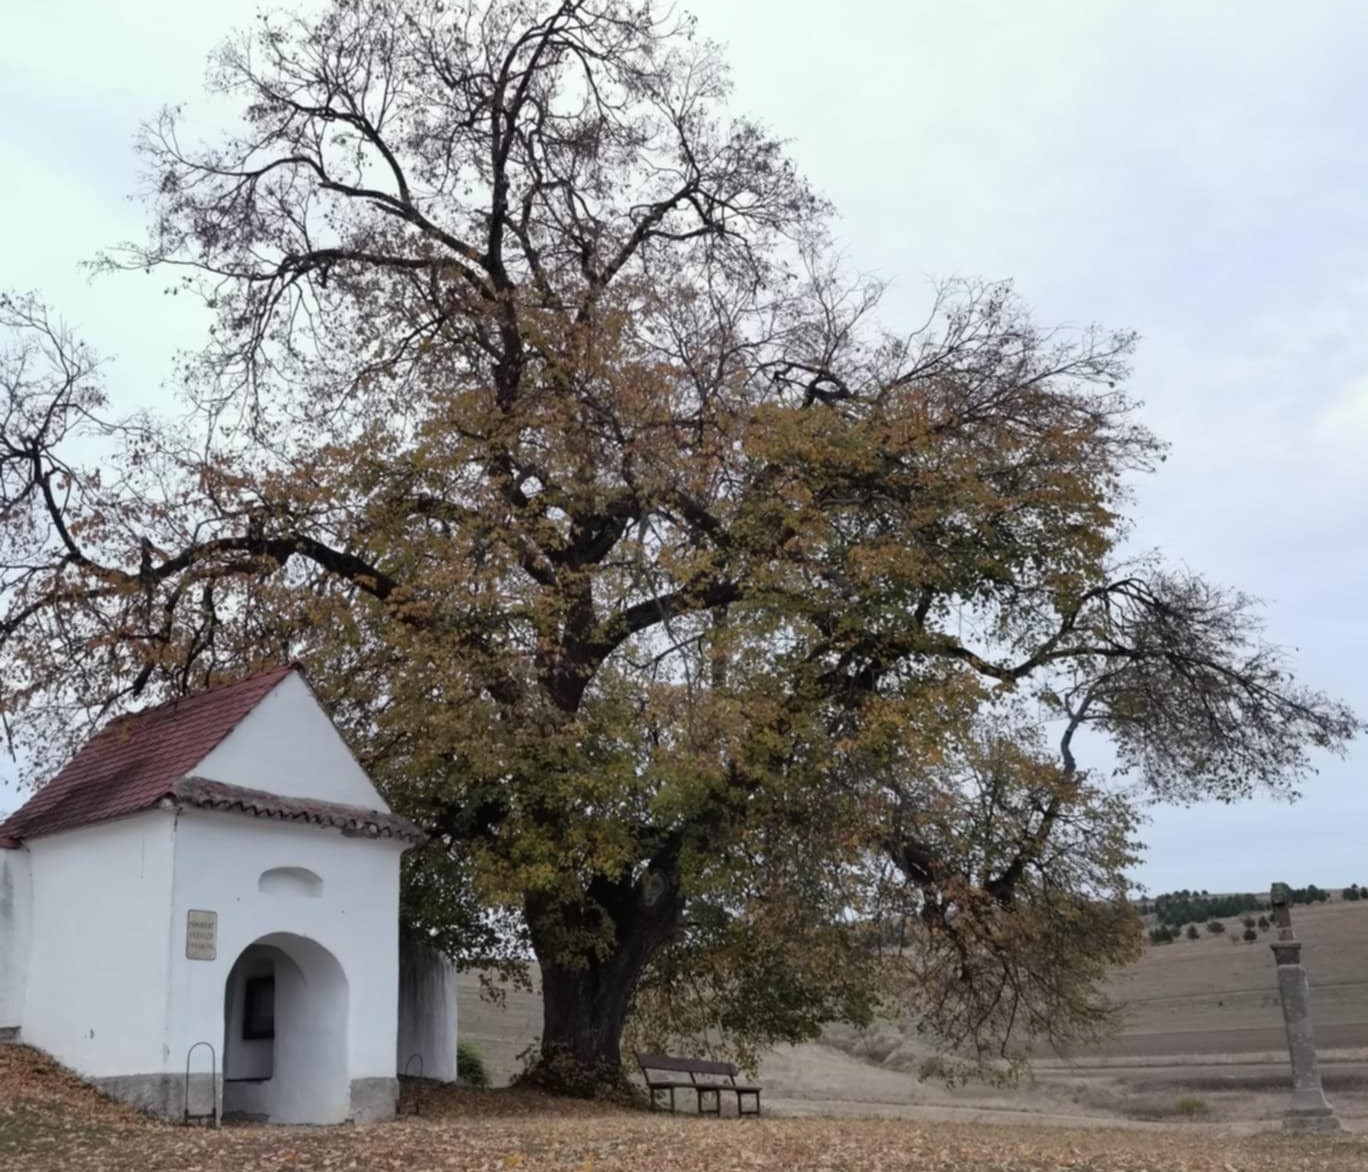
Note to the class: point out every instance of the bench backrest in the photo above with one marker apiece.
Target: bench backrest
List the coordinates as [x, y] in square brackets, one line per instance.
[681, 1065]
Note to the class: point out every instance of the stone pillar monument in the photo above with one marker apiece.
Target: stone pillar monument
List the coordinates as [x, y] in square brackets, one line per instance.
[1310, 1112]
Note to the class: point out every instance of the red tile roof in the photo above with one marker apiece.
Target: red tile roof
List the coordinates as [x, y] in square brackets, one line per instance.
[9, 844]
[136, 760]
[353, 820]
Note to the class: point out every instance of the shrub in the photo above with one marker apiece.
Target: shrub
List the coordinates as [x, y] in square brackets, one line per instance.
[1353, 893]
[1161, 935]
[1215, 927]
[1250, 935]
[1193, 932]
[933, 1067]
[1248, 921]
[1191, 1107]
[470, 1065]
[1263, 924]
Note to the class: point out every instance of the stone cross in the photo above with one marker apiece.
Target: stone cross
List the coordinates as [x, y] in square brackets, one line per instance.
[1310, 1112]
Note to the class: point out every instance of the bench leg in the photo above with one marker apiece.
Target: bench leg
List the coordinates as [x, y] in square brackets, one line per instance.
[716, 1093]
[740, 1098]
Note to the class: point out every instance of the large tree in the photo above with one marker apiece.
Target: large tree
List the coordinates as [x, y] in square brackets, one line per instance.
[660, 582]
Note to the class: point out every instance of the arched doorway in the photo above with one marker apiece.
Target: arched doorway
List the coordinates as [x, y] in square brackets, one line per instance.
[285, 1033]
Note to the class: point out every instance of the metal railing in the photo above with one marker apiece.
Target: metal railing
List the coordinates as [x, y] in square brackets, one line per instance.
[213, 1116]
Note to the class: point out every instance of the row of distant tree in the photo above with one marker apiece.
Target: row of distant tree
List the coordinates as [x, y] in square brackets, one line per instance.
[1166, 934]
[1176, 908]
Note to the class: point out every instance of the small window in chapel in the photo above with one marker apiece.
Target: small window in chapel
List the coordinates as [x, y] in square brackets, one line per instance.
[258, 1008]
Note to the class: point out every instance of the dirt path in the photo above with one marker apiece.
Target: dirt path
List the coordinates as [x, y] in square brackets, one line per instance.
[818, 1080]
[1341, 1036]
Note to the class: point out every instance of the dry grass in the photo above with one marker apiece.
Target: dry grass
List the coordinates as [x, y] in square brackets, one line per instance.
[1212, 984]
[1193, 998]
[1205, 1022]
[49, 1121]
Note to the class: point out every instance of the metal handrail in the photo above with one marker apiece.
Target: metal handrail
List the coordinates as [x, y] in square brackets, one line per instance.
[214, 1114]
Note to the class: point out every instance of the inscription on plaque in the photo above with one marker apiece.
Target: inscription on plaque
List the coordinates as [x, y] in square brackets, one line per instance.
[201, 935]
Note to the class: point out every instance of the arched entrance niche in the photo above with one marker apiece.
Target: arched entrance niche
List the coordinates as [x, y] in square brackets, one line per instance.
[285, 1033]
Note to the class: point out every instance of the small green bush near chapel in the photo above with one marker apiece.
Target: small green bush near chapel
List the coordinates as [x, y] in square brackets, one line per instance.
[470, 1065]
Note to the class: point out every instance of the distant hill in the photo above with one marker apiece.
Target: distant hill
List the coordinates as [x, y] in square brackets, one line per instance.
[1219, 994]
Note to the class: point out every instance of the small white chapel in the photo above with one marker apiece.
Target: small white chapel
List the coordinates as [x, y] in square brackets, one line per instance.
[199, 914]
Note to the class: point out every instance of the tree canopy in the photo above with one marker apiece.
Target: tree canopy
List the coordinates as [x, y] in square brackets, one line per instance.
[709, 623]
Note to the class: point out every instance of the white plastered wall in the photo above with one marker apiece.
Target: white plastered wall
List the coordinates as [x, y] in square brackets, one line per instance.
[16, 924]
[427, 1013]
[287, 745]
[99, 958]
[219, 861]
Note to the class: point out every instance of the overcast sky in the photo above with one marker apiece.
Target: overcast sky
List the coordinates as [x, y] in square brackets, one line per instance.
[1194, 172]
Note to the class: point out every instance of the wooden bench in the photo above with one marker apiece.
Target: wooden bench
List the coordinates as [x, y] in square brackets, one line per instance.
[709, 1090]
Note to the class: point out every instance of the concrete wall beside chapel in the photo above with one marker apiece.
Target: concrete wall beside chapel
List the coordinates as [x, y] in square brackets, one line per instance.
[353, 914]
[99, 953]
[287, 745]
[427, 1012]
[16, 923]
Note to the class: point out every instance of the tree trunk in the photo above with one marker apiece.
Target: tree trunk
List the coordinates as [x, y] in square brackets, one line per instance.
[585, 998]
[583, 1012]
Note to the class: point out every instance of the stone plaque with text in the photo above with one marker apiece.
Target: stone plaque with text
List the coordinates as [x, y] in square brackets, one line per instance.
[201, 935]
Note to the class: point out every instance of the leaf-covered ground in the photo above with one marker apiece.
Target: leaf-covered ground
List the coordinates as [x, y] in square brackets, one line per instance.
[49, 1121]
